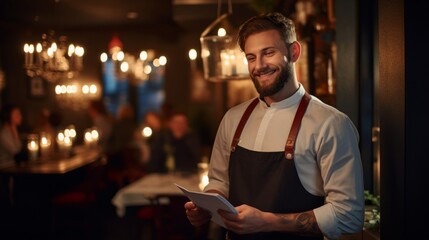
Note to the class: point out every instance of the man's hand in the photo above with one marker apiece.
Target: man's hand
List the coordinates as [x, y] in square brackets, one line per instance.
[248, 220]
[252, 220]
[197, 216]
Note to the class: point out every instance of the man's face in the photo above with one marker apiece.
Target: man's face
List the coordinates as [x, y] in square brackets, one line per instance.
[179, 125]
[16, 117]
[268, 62]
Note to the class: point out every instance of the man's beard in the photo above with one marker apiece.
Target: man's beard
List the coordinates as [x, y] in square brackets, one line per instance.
[277, 85]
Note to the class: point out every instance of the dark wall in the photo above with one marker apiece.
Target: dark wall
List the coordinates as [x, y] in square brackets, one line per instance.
[416, 120]
[403, 122]
[392, 119]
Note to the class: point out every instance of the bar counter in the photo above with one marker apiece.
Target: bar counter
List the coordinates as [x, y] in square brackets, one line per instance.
[55, 164]
[34, 185]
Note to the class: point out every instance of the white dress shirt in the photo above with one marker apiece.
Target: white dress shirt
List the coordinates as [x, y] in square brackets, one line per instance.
[327, 156]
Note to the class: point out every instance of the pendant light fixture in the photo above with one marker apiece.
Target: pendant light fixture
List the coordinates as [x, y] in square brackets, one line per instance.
[222, 58]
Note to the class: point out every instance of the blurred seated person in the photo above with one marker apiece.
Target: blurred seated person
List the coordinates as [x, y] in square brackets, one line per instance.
[124, 165]
[102, 121]
[43, 124]
[124, 130]
[10, 147]
[150, 128]
[10, 140]
[176, 148]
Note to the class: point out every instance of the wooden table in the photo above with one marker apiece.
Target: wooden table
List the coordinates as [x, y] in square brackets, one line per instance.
[159, 193]
[153, 187]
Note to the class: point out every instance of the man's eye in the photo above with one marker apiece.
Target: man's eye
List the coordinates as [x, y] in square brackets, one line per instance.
[269, 53]
[250, 59]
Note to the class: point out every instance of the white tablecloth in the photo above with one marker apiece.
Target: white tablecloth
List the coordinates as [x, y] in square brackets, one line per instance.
[150, 187]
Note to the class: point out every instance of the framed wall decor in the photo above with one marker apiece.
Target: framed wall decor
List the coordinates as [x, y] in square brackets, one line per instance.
[37, 87]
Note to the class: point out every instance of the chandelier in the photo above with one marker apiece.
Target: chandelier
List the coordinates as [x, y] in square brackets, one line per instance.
[53, 59]
[128, 66]
[221, 55]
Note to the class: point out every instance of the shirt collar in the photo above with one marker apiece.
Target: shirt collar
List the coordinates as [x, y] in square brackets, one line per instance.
[288, 102]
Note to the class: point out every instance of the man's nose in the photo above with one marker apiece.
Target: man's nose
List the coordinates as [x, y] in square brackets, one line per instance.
[259, 63]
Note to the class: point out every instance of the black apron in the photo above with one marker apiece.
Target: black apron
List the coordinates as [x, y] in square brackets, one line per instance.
[269, 180]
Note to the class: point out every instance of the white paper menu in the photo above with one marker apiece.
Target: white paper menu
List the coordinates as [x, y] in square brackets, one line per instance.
[211, 202]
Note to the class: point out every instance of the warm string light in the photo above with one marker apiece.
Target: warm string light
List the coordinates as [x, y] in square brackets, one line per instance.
[91, 137]
[146, 132]
[33, 147]
[76, 95]
[65, 140]
[193, 56]
[45, 144]
[42, 147]
[203, 174]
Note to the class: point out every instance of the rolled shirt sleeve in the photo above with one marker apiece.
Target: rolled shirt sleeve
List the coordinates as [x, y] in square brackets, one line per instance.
[341, 171]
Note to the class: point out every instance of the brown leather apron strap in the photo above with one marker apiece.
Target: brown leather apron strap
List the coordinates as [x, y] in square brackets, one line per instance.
[243, 121]
[296, 124]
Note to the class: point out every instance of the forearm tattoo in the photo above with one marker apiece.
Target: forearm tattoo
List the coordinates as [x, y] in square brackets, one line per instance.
[304, 223]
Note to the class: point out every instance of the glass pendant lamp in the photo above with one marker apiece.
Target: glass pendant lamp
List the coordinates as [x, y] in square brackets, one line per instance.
[222, 58]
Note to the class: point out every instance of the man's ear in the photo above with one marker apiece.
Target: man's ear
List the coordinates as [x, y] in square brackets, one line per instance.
[295, 51]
